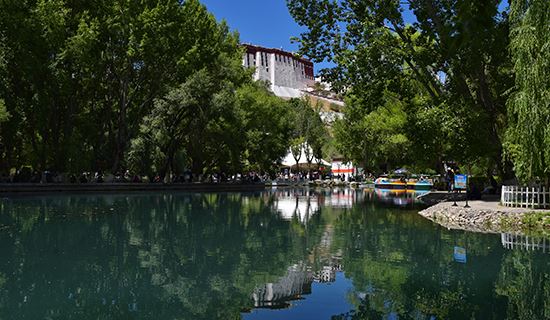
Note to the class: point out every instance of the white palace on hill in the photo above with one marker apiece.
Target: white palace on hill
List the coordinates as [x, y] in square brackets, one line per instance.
[291, 76]
[287, 74]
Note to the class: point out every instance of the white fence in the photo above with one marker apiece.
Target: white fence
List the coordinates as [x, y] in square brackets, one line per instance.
[525, 197]
[514, 241]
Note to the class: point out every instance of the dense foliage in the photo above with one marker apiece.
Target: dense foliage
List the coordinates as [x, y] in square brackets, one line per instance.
[528, 139]
[420, 93]
[309, 134]
[158, 87]
[111, 85]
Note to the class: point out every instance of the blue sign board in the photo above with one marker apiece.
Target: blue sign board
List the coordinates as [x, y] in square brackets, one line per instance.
[461, 181]
[460, 255]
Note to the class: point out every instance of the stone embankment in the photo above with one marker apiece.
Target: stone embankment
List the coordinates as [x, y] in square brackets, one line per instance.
[471, 219]
[435, 197]
[481, 216]
[10, 189]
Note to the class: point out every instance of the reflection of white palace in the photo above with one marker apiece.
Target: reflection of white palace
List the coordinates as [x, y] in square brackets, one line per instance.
[341, 198]
[300, 204]
[293, 285]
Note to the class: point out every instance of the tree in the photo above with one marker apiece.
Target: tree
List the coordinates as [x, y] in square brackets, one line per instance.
[317, 137]
[194, 120]
[528, 137]
[128, 53]
[266, 127]
[455, 53]
[163, 131]
[296, 147]
[89, 84]
[309, 132]
[3, 111]
[381, 135]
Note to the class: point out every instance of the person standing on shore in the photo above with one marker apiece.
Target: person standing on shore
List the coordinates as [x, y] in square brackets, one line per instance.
[450, 179]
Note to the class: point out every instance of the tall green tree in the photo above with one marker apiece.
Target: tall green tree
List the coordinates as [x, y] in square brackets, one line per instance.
[528, 138]
[32, 34]
[82, 80]
[3, 111]
[127, 53]
[455, 52]
[309, 133]
[266, 127]
[196, 118]
[382, 142]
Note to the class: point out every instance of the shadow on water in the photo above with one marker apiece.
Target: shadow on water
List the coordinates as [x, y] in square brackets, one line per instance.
[279, 254]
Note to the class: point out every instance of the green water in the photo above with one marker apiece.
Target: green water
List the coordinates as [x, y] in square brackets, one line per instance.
[286, 254]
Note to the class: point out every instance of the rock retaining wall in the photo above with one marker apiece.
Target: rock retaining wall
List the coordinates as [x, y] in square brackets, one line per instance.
[478, 218]
[435, 197]
[10, 189]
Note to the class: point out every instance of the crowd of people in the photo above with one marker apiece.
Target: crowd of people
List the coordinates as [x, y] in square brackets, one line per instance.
[26, 175]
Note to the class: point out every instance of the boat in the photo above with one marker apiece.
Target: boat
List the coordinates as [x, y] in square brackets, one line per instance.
[402, 184]
[387, 183]
[422, 184]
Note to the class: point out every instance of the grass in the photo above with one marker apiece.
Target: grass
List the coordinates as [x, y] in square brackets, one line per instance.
[539, 222]
[532, 223]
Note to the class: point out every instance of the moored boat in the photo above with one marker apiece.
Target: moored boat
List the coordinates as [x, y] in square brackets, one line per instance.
[421, 184]
[386, 183]
[413, 184]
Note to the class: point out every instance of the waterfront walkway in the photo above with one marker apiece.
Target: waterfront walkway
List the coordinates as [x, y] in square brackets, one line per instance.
[481, 215]
[489, 202]
[34, 188]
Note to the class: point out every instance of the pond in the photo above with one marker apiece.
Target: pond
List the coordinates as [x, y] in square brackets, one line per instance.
[278, 254]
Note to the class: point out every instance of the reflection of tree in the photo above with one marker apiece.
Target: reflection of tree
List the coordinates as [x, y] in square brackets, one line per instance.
[524, 280]
[161, 256]
[401, 265]
[202, 256]
[365, 310]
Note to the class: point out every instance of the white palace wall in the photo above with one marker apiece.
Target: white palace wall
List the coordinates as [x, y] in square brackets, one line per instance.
[280, 68]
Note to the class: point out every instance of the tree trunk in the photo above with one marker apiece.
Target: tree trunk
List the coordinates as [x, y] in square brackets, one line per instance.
[486, 100]
[121, 127]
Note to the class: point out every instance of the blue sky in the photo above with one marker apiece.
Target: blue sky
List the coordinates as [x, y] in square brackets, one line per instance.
[262, 22]
[266, 22]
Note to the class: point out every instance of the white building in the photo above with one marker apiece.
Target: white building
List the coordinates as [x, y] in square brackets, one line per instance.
[287, 74]
[345, 169]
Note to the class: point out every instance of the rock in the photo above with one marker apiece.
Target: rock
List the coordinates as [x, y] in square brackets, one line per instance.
[471, 219]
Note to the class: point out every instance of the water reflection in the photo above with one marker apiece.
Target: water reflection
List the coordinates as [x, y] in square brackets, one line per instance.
[523, 242]
[292, 286]
[400, 198]
[300, 204]
[293, 253]
[303, 202]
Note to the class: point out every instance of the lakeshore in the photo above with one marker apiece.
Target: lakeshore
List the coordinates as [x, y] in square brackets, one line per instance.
[485, 216]
[41, 188]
